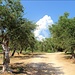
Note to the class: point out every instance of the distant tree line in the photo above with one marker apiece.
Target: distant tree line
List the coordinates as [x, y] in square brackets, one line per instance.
[63, 34]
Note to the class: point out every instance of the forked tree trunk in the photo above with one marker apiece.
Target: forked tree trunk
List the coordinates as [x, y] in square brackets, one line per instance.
[6, 59]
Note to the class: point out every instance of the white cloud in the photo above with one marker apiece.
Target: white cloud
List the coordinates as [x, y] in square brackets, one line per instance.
[41, 31]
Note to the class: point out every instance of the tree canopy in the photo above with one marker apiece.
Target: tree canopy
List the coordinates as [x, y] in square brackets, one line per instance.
[63, 32]
[14, 28]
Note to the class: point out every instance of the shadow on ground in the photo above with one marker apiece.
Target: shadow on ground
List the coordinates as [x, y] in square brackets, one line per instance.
[35, 69]
[67, 56]
[30, 56]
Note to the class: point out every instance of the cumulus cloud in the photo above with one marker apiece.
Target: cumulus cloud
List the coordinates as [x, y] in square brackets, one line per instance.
[41, 31]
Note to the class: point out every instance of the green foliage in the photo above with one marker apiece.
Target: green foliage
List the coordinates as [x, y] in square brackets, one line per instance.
[50, 51]
[63, 32]
[44, 46]
[0, 50]
[19, 29]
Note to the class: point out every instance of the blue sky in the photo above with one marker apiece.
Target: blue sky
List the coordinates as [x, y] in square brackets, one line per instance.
[37, 9]
[34, 10]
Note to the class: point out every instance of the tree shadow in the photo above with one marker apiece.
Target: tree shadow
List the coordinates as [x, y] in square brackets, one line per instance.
[67, 56]
[30, 56]
[36, 69]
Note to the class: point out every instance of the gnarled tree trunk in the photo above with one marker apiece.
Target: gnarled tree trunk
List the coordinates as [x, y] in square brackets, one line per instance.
[6, 59]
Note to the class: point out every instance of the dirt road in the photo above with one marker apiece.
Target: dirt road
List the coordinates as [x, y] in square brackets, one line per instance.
[52, 64]
[66, 66]
[42, 64]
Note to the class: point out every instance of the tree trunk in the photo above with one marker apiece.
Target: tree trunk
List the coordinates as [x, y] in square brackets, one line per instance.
[13, 52]
[66, 51]
[73, 55]
[21, 50]
[32, 50]
[6, 59]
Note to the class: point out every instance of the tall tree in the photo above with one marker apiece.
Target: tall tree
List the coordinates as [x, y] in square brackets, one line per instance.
[10, 16]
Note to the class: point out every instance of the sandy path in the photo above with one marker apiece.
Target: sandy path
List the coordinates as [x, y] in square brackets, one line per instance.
[67, 66]
[52, 63]
[44, 64]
